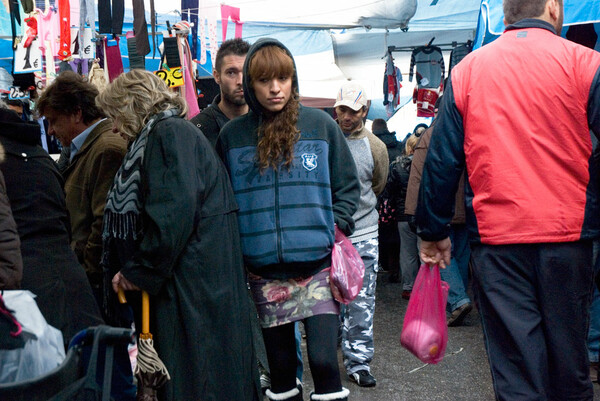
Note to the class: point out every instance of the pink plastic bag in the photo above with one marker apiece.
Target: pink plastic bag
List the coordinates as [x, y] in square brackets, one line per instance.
[424, 332]
[347, 269]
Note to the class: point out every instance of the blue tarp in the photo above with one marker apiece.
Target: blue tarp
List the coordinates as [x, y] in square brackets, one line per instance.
[491, 17]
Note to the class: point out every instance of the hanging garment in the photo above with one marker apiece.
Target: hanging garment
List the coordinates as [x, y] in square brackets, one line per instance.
[140, 28]
[28, 6]
[48, 31]
[425, 99]
[212, 37]
[391, 85]
[64, 9]
[80, 66]
[87, 16]
[104, 16]
[190, 11]
[15, 18]
[31, 31]
[75, 12]
[110, 16]
[153, 27]
[202, 41]
[135, 60]
[233, 13]
[118, 13]
[171, 52]
[189, 82]
[458, 53]
[429, 62]
[113, 59]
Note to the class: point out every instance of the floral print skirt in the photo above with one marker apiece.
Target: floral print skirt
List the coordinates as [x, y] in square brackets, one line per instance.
[285, 301]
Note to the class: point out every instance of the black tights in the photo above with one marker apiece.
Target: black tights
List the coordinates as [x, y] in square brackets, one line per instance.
[321, 341]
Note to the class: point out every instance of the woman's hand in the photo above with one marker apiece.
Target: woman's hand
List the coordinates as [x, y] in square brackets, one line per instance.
[119, 281]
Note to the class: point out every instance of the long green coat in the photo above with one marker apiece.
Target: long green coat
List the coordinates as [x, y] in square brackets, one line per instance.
[189, 259]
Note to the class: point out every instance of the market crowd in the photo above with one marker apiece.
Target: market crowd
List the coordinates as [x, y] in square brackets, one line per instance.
[227, 218]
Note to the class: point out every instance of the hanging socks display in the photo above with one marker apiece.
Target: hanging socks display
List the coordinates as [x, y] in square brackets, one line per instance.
[171, 52]
[135, 60]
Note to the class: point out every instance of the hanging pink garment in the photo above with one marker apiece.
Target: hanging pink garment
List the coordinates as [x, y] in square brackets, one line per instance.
[48, 30]
[233, 13]
[189, 82]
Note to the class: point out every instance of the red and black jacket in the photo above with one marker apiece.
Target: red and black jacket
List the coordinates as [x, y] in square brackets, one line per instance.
[519, 114]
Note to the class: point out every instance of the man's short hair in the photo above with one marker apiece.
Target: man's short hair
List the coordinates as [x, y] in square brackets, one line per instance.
[68, 94]
[237, 47]
[516, 10]
[379, 124]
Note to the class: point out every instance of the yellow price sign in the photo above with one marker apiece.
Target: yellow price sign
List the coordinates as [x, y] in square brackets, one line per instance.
[173, 77]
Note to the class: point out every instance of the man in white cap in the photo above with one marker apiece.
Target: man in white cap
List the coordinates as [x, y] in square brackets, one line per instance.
[371, 158]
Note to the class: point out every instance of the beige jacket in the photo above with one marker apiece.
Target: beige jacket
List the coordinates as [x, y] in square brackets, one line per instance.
[414, 181]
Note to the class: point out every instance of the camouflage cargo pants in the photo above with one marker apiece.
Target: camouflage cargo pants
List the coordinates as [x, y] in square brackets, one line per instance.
[357, 317]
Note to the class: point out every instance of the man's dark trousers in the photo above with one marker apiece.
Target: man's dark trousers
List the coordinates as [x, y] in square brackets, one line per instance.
[534, 302]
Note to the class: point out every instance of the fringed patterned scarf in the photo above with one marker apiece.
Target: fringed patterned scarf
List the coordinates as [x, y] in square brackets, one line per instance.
[122, 225]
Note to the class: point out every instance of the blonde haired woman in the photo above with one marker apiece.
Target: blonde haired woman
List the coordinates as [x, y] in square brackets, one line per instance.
[294, 178]
[170, 229]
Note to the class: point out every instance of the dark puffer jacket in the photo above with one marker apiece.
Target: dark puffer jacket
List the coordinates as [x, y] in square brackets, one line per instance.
[397, 184]
[394, 147]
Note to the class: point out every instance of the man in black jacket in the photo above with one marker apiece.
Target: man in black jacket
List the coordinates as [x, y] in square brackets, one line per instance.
[230, 103]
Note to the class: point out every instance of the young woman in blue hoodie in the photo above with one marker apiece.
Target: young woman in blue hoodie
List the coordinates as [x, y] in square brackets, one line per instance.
[294, 179]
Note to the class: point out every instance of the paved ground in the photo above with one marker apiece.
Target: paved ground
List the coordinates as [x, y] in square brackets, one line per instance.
[463, 375]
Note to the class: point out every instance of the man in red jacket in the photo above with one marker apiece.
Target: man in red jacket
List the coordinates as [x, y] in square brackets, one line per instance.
[532, 199]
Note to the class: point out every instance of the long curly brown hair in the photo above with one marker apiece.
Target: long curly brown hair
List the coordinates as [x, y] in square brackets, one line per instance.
[277, 133]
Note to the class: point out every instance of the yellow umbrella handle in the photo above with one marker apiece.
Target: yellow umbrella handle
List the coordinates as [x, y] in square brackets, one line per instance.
[145, 313]
[121, 296]
[145, 310]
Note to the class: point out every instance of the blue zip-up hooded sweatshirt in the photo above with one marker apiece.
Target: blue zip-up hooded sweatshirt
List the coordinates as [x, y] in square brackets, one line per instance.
[287, 217]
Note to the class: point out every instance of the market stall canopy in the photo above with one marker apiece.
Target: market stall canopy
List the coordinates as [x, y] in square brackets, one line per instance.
[491, 20]
[320, 14]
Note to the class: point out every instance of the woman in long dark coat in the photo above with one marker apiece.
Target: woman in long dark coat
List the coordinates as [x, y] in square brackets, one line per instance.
[170, 229]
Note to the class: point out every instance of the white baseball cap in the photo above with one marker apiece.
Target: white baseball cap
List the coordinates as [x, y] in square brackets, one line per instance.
[351, 95]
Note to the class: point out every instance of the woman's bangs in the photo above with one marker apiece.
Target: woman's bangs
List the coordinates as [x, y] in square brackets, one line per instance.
[270, 62]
